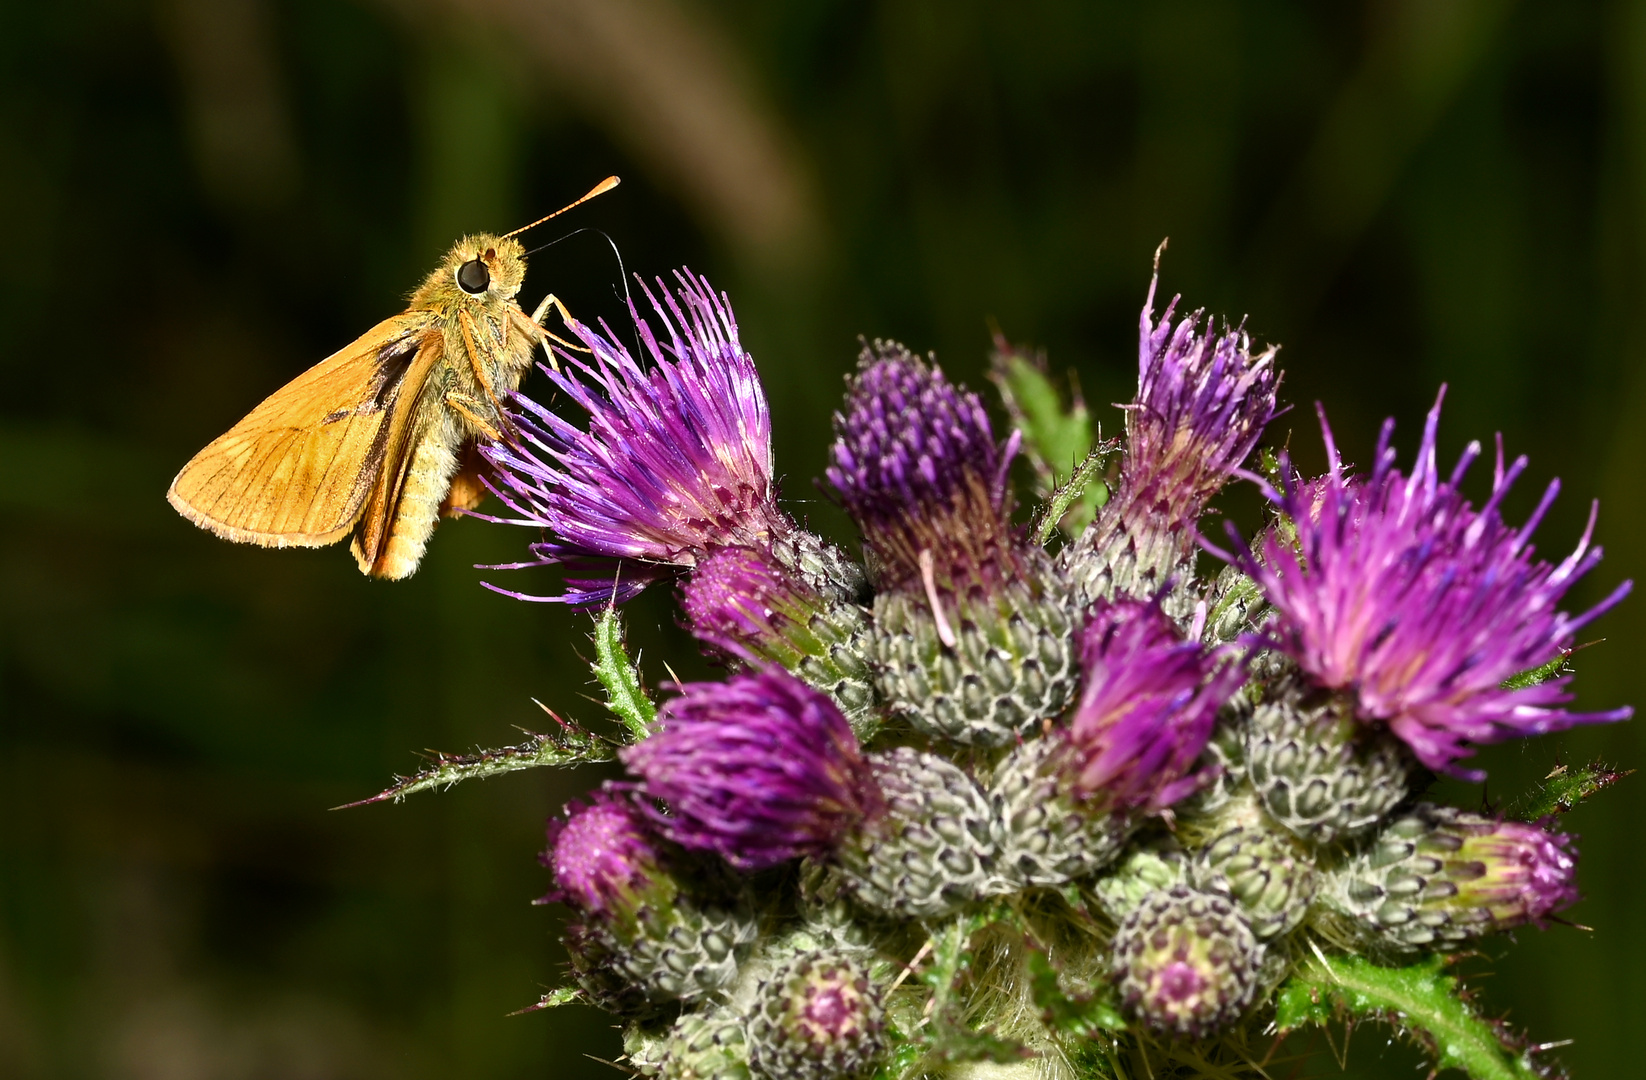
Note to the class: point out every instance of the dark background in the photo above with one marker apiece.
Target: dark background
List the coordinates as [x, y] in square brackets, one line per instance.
[199, 198]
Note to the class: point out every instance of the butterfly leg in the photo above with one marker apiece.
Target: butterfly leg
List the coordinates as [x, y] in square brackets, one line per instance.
[466, 407]
[566, 316]
[479, 368]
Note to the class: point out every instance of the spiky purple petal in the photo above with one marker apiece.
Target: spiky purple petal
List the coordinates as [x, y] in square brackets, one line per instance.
[1147, 706]
[1402, 593]
[1203, 400]
[761, 769]
[676, 459]
[916, 465]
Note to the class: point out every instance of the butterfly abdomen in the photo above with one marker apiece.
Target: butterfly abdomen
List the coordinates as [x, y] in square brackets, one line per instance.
[428, 477]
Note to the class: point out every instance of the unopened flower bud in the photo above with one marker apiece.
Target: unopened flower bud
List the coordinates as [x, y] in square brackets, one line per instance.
[1322, 774]
[1266, 870]
[708, 1045]
[748, 604]
[1186, 962]
[1047, 836]
[817, 1017]
[639, 941]
[934, 846]
[1437, 875]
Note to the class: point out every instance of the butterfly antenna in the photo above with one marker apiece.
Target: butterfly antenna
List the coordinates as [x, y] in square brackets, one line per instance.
[598, 189]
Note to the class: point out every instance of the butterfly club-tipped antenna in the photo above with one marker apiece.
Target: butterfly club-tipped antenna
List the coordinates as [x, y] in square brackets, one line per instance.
[598, 189]
[551, 300]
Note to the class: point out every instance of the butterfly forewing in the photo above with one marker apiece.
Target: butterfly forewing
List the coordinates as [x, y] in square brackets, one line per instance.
[298, 469]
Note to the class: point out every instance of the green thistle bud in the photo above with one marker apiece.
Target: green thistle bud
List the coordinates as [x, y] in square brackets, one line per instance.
[1437, 875]
[817, 1017]
[1142, 872]
[1186, 962]
[1048, 838]
[1267, 870]
[1321, 773]
[935, 846]
[708, 1045]
[681, 951]
[982, 669]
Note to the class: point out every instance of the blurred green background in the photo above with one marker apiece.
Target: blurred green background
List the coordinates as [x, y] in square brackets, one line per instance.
[199, 198]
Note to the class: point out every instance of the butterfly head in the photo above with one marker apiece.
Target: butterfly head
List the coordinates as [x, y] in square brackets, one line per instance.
[484, 270]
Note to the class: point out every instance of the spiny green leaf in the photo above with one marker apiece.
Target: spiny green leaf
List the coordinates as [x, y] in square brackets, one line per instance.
[1552, 670]
[625, 695]
[565, 995]
[1564, 788]
[1058, 438]
[570, 745]
[1055, 435]
[1420, 1001]
[1075, 504]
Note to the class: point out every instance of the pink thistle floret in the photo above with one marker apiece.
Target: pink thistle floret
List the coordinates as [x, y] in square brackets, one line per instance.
[760, 769]
[603, 854]
[1146, 709]
[676, 459]
[1401, 593]
[1526, 873]
[1203, 400]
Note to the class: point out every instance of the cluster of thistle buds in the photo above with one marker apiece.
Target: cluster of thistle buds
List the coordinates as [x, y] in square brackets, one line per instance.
[1027, 796]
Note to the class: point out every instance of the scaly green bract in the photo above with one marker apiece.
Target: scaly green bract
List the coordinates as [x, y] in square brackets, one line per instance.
[625, 695]
[1419, 1000]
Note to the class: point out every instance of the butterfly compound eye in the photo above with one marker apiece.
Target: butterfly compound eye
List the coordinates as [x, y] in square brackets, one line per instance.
[473, 277]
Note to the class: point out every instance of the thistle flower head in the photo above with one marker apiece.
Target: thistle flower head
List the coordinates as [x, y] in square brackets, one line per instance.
[603, 855]
[916, 465]
[1436, 874]
[761, 769]
[1186, 961]
[676, 459]
[819, 1017]
[1146, 708]
[1399, 591]
[1203, 400]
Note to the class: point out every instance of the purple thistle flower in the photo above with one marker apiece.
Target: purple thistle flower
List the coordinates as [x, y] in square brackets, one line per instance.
[917, 467]
[676, 459]
[1202, 403]
[603, 855]
[761, 769]
[1146, 709]
[1403, 594]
